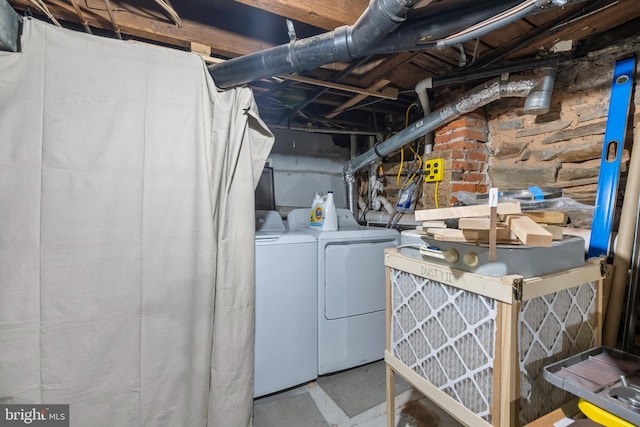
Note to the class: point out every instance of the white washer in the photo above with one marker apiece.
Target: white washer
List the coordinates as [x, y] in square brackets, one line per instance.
[351, 290]
[286, 336]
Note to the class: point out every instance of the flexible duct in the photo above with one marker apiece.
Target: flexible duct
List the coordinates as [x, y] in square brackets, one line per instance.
[470, 101]
[341, 45]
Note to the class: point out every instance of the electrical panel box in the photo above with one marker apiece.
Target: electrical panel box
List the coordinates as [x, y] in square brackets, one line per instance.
[434, 170]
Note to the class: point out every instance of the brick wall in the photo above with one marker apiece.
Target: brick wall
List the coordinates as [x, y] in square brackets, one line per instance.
[462, 143]
[501, 146]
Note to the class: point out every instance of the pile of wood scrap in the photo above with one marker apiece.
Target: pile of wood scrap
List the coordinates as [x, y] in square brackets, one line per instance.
[513, 226]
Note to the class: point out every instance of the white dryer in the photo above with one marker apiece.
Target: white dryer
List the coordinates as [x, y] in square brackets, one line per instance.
[286, 335]
[351, 290]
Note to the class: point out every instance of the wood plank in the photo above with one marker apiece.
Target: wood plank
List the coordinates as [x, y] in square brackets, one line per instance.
[503, 235]
[547, 217]
[370, 91]
[222, 42]
[492, 287]
[535, 287]
[391, 63]
[494, 409]
[466, 211]
[353, 101]
[456, 409]
[390, 377]
[326, 15]
[480, 223]
[434, 224]
[555, 230]
[510, 376]
[528, 231]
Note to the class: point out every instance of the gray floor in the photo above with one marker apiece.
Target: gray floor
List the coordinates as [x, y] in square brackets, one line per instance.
[356, 397]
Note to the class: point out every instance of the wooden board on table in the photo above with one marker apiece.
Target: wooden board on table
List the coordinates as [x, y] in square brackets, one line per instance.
[547, 217]
[434, 224]
[504, 235]
[466, 211]
[478, 224]
[555, 230]
[528, 231]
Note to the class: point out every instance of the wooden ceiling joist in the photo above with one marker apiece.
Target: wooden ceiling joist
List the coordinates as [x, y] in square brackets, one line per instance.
[222, 42]
[356, 99]
[371, 91]
[327, 15]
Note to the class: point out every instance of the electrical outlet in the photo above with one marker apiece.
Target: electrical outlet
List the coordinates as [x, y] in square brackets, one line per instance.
[434, 170]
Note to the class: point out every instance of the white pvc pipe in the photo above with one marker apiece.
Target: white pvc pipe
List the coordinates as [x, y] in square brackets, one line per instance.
[623, 250]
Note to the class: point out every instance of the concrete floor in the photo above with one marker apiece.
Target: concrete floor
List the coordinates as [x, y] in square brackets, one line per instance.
[355, 397]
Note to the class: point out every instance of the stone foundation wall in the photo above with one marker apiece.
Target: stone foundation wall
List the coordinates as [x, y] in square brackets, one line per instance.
[501, 146]
[563, 148]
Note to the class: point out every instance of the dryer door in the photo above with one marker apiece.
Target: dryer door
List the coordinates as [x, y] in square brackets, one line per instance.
[354, 277]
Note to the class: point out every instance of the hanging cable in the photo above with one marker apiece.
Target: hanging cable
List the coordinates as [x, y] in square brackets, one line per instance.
[171, 11]
[406, 123]
[116, 28]
[83, 20]
[44, 9]
[400, 168]
[436, 194]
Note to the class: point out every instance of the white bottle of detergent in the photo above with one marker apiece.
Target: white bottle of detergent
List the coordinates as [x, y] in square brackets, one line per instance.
[323, 213]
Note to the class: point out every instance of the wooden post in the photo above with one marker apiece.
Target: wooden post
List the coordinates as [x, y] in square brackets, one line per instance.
[493, 219]
[510, 375]
[391, 395]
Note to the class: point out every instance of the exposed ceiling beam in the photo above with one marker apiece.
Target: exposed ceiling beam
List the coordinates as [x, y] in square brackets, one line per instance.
[353, 101]
[222, 42]
[393, 62]
[391, 93]
[327, 15]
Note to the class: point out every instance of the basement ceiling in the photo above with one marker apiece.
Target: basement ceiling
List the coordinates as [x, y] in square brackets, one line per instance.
[366, 93]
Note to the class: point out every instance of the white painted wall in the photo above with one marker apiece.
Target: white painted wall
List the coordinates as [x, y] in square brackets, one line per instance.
[304, 163]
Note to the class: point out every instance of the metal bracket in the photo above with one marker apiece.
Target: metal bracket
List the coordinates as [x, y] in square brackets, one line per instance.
[603, 267]
[504, 79]
[291, 31]
[517, 288]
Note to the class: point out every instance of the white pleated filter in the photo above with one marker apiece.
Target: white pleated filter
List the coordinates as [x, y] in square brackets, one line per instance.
[447, 336]
[551, 328]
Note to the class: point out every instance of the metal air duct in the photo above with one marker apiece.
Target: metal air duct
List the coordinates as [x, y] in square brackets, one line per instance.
[375, 32]
[341, 45]
[470, 101]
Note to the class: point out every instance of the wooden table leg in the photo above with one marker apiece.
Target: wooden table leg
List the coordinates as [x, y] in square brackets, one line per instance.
[391, 398]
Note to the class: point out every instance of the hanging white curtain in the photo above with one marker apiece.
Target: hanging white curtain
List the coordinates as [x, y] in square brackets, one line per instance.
[126, 233]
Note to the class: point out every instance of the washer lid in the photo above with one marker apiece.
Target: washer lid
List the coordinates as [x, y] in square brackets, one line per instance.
[269, 224]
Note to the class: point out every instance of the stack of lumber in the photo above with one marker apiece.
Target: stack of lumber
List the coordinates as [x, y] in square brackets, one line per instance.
[474, 224]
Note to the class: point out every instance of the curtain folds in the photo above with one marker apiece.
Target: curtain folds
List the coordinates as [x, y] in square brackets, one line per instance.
[126, 244]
